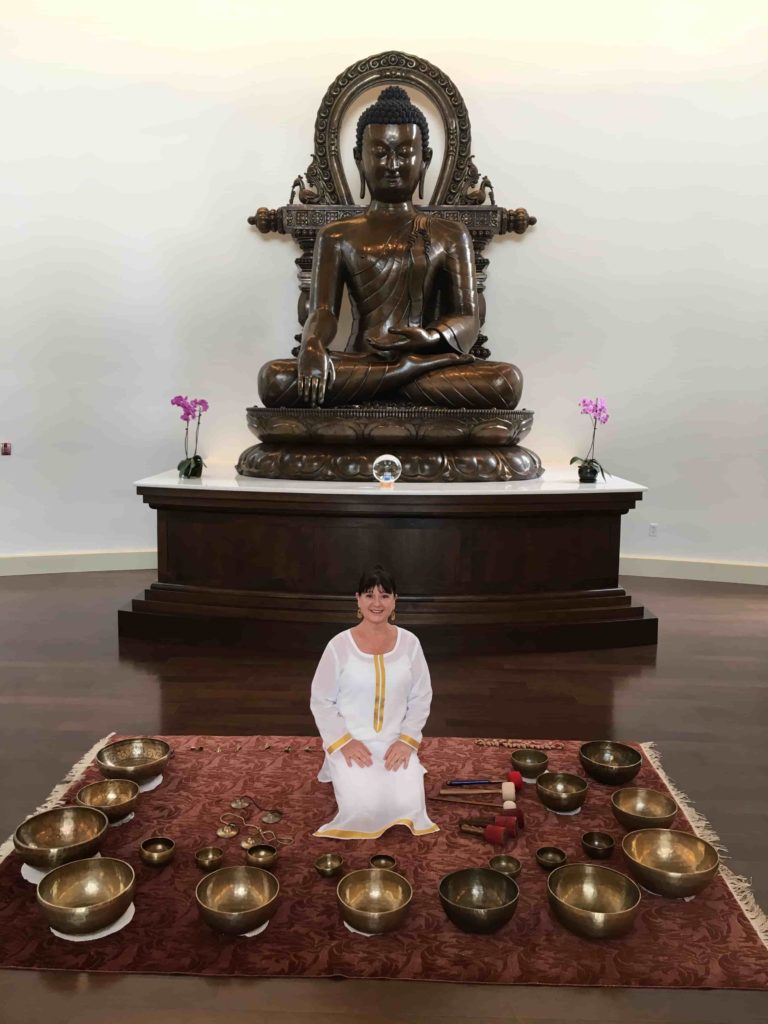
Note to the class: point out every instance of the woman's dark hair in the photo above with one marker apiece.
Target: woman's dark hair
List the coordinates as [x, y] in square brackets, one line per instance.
[377, 577]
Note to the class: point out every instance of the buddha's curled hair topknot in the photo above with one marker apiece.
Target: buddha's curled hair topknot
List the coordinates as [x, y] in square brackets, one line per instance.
[394, 107]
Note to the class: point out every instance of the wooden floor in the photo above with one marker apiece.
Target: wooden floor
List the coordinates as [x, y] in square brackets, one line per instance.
[701, 695]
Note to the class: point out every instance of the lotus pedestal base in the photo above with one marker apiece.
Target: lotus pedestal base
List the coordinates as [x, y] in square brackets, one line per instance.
[446, 445]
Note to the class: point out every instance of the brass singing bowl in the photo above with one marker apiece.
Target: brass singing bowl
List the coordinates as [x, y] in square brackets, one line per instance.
[506, 864]
[237, 899]
[670, 863]
[561, 791]
[116, 797]
[383, 860]
[530, 763]
[157, 850]
[610, 762]
[62, 834]
[374, 900]
[329, 864]
[637, 808]
[261, 856]
[550, 857]
[593, 901]
[478, 899]
[138, 759]
[597, 844]
[208, 858]
[86, 895]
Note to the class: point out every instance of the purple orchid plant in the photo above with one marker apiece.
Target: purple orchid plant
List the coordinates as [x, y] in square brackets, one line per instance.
[597, 410]
[192, 410]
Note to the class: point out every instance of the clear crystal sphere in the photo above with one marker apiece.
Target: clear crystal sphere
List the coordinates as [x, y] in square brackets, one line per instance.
[387, 469]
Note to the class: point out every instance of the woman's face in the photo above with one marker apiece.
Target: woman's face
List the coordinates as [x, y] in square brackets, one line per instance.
[376, 605]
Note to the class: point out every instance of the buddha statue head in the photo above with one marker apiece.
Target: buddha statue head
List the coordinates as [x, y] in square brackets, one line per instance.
[392, 147]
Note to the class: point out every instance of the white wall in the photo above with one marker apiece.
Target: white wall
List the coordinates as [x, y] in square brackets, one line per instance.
[138, 137]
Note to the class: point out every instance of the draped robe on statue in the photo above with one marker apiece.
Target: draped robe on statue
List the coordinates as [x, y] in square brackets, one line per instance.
[424, 278]
[377, 699]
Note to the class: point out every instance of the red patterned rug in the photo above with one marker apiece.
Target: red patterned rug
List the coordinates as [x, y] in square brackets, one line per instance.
[708, 942]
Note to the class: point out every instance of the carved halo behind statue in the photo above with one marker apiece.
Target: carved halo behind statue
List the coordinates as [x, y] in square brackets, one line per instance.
[414, 376]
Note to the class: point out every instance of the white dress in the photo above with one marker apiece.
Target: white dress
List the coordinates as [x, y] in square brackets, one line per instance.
[375, 698]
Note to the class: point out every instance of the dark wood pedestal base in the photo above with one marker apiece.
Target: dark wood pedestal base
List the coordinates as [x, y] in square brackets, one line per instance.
[492, 568]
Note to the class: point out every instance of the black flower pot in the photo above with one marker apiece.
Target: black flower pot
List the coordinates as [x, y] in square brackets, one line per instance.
[191, 467]
[587, 474]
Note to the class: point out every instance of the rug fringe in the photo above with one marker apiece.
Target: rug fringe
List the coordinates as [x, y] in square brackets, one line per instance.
[701, 826]
[55, 797]
[740, 886]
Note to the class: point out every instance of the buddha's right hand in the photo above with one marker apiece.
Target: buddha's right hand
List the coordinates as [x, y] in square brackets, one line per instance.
[356, 752]
[315, 372]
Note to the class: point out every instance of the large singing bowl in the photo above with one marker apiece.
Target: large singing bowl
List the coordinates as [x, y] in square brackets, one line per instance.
[237, 899]
[609, 762]
[374, 900]
[637, 807]
[138, 759]
[116, 797]
[86, 895]
[62, 834]
[478, 899]
[669, 863]
[593, 901]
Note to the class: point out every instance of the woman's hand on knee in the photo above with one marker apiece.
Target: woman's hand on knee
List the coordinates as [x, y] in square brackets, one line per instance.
[356, 752]
[398, 756]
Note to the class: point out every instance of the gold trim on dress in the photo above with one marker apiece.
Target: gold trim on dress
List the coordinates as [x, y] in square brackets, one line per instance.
[340, 833]
[339, 743]
[409, 740]
[381, 690]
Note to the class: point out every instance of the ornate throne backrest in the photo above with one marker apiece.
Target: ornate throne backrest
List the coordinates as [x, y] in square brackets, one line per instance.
[459, 193]
[379, 71]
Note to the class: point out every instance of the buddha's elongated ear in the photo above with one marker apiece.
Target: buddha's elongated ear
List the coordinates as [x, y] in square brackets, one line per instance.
[357, 154]
[423, 174]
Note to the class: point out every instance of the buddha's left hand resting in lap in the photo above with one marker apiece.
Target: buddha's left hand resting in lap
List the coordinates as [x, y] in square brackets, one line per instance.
[370, 699]
[411, 283]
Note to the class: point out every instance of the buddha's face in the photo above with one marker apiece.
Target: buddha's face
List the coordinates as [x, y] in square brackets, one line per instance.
[392, 160]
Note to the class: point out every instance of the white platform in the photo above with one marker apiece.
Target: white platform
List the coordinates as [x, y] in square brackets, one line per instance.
[223, 478]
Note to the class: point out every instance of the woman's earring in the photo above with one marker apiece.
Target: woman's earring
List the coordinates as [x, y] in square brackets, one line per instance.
[393, 616]
[359, 614]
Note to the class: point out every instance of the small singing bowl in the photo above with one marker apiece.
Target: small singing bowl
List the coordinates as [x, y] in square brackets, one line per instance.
[593, 901]
[138, 759]
[530, 763]
[383, 860]
[329, 864]
[86, 895]
[610, 763]
[116, 797]
[506, 864]
[261, 856]
[561, 791]
[237, 899]
[374, 900]
[209, 858]
[637, 808]
[478, 900]
[62, 834]
[597, 844]
[157, 850]
[669, 863]
[550, 857]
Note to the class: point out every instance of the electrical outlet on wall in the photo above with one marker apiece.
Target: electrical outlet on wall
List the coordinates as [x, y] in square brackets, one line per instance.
[5, 447]
[653, 529]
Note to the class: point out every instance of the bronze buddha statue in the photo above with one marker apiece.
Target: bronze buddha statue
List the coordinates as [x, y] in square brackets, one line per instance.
[411, 281]
[413, 379]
